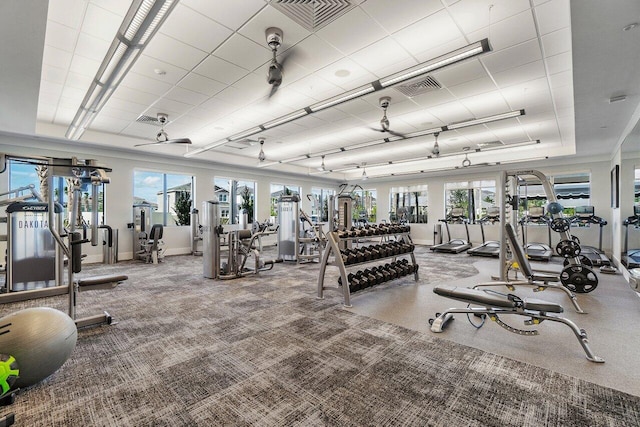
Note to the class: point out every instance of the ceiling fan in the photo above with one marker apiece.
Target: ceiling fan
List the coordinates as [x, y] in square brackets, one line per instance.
[436, 148]
[261, 156]
[275, 36]
[322, 168]
[384, 122]
[162, 137]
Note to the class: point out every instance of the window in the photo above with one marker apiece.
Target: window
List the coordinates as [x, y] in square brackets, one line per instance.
[170, 196]
[320, 203]
[364, 205]
[234, 197]
[408, 204]
[474, 197]
[571, 190]
[21, 175]
[278, 190]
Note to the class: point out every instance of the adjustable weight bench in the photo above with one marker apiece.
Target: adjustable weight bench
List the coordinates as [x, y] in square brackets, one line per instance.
[540, 281]
[495, 303]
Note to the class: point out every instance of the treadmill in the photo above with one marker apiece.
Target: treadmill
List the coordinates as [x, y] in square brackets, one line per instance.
[585, 216]
[536, 251]
[489, 248]
[454, 246]
[631, 258]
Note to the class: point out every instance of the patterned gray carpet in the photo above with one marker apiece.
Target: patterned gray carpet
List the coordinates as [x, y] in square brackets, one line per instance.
[263, 350]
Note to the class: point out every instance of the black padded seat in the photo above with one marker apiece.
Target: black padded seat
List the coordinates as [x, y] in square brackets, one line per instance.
[495, 300]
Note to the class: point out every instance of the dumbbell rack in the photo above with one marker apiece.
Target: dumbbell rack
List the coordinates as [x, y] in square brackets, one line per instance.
[334, 242]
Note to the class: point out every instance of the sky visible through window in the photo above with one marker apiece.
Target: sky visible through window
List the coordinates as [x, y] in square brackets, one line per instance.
[147, 184]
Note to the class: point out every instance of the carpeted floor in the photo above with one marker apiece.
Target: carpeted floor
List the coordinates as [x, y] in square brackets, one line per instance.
[262, 350]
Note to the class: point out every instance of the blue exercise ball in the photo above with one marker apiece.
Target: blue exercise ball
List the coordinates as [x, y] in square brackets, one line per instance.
[555, 208]
[40, 340]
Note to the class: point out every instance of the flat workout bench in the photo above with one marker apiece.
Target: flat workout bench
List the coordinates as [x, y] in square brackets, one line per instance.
[496, 303]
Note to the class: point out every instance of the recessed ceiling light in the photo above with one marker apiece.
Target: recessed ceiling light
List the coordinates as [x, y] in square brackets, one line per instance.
[630, 26]
[160, 71]
[342, 73]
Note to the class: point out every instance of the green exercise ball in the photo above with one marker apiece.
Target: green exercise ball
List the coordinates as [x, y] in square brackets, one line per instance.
[40, 340]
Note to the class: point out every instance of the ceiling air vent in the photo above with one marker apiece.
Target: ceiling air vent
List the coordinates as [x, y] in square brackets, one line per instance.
[419, 87]
[148, 120]
[314, 14]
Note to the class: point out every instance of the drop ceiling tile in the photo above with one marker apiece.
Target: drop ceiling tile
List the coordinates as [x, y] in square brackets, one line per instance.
[188, 26]
[147, 66]
[230, 13]
[144, 84]
[85, 66]
[243, 52]
[61, 37]
[315, 88]
[115, 113]
[428, 33]
[381, 55]
[67, 12]
[171, 107]
[220, 70]
[174, 52]
[79, 81]
[345, 74]
[50, 88]
[511, 57]
[127, 105]
[201, 84]
[101, 23]
[340, 33]
[460, 73]
[64, 115]
[511, 31]
[520, 74]
[451, 112]
[54, 74]
[48, 97]
[559, 63]
[394, 16]
[56, 57]
[474, 87]
[313, 53]
[486, 104]
[553, 15]
[140, 130]
[119, 7]
[557, 42]
[92, 47]
[433, 98]
[472, 15]
[133, 94]
[46, 112]
[442, 49]
[564, 78]
[185, 95]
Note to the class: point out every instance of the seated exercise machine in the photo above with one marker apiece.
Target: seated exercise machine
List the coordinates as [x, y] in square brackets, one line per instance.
[536, 251]
[152, 248]
[494, 304]
[241, 248]
[489, 248]
[80, 174]
[454, 246]
[631, 257]
[585, 216]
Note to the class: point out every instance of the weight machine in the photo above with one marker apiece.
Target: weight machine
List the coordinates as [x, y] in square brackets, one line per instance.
[81, 174]
[242, 258]
[575, 276]
[148, 245]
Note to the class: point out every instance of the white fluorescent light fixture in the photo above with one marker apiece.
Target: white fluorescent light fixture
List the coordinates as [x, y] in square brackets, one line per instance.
[141, 22]
[484, 120]
[461, 54]
[285, 119]
[245, 134]
[353, 94]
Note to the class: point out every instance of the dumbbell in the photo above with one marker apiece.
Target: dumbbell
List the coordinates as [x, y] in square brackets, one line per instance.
[371, 277]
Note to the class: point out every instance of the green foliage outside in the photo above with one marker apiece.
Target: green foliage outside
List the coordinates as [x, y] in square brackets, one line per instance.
[247, 203]
[182, 208]
[458, 199]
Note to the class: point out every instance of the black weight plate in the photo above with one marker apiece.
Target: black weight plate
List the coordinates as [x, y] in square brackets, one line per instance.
[568, 249]
[560, 225]
[578, 278]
